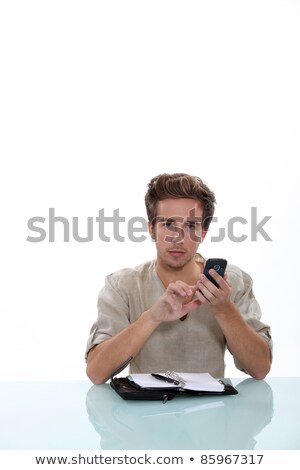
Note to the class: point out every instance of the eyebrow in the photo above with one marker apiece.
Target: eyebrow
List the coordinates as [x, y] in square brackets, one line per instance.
[175, 219]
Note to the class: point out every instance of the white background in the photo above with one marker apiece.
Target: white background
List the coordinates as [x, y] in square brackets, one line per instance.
[99, 97]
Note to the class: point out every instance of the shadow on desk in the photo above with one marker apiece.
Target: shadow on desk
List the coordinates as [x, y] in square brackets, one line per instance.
[227, 422]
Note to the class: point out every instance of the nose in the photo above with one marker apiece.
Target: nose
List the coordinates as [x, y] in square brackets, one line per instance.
[176, 235]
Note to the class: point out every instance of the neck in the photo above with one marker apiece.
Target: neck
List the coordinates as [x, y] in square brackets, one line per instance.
[188, 273]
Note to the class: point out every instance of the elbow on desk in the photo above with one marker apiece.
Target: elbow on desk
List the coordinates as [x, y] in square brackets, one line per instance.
[95, 376]
[259, 376]
[262, 371]
[93, 371]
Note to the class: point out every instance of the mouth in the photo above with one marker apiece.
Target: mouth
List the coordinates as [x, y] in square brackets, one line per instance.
[176, 252]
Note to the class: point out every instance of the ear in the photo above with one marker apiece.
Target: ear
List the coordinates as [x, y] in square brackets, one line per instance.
[151, 230]
[203, 235]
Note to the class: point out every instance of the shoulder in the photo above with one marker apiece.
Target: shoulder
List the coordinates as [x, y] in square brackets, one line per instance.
[238, 275]
[240, 280]
[128, 277]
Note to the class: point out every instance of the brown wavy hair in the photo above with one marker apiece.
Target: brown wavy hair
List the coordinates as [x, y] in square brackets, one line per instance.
[179, 185]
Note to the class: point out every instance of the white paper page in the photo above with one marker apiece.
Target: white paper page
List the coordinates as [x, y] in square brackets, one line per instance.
[193, 381]
[201, 382]
[146, 380]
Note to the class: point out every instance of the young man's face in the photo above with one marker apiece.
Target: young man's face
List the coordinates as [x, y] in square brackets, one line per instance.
[177, 231]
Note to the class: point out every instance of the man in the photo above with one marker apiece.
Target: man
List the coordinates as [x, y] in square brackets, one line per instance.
[165, 313]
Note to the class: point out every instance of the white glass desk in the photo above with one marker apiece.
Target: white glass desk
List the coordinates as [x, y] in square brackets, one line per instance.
[79, 415]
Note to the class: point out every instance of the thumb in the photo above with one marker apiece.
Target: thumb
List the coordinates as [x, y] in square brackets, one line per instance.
[191, 305]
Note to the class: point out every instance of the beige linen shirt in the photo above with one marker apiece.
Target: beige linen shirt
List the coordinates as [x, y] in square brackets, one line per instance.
[196, 344]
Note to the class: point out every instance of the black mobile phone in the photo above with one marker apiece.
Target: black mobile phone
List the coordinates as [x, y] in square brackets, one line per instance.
[218, 264]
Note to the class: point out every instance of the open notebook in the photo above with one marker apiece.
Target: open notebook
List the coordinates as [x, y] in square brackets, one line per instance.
[165, 386]
[200, 382]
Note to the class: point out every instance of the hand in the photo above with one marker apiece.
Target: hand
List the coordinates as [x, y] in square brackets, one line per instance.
[217, 299]
[176, 302]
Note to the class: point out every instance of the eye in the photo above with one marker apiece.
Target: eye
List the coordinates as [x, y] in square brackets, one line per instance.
[191, 226]
[167, 224]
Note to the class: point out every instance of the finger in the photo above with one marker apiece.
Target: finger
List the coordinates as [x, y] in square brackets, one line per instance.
[226, 279]
[204, 281]
[219, 279]
[179, 288]
[194, 288]
[224, 283]
[186, 288]
[207, 294]
[200, 296]
[192, 305]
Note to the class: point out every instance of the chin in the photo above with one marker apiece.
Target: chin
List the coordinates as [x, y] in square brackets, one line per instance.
[177, 263]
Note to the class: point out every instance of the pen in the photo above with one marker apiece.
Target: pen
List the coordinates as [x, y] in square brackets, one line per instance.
[166, 379]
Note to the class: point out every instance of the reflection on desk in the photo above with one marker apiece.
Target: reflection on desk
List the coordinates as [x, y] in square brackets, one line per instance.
[206, 422]
[58, 415]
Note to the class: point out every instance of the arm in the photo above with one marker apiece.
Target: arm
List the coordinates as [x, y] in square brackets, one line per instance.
[105, 357]
[244, 343]
[247, 346]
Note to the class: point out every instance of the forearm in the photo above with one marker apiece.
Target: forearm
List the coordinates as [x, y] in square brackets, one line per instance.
[251, 350]
[104, 358]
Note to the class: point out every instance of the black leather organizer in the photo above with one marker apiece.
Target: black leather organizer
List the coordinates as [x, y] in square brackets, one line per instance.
[129, 390]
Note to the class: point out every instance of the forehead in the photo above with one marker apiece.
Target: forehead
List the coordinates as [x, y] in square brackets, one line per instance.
[185, 208]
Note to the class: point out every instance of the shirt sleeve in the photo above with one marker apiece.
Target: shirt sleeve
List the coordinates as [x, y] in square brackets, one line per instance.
[249, 308]
[113, 314]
